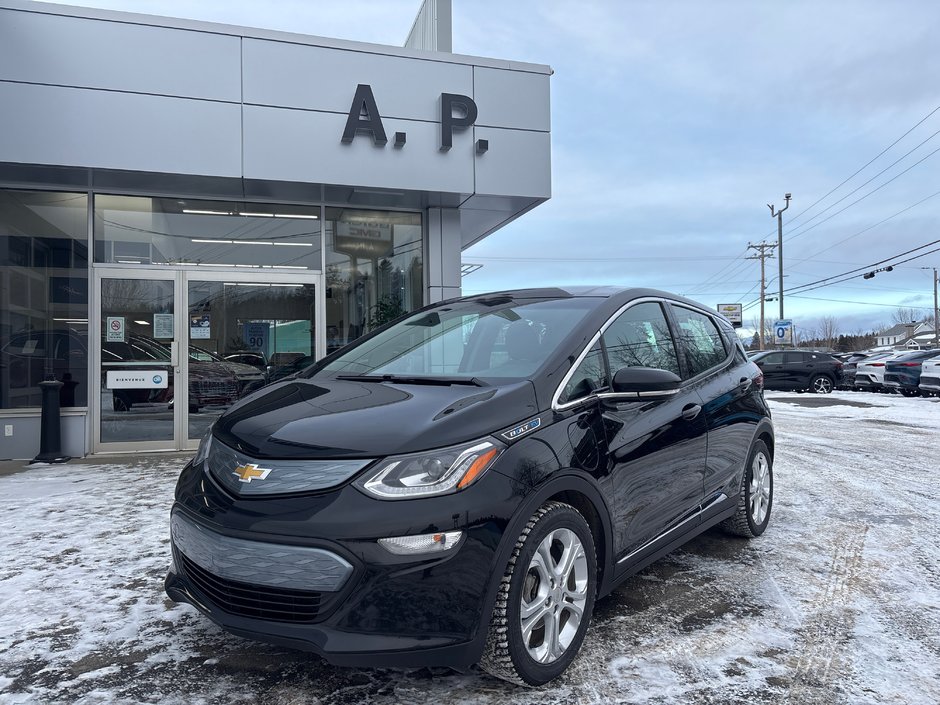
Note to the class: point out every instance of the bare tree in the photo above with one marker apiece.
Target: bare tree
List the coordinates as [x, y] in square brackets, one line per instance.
[828, 331]
[768, 331]
[903, 315]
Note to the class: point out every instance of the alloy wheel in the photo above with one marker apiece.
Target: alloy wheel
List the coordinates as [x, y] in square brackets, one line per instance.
[759, 494]
[554, 596]
[822, 385]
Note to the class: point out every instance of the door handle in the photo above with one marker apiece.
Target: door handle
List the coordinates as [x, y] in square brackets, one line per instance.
[744, 383]
[690, 411]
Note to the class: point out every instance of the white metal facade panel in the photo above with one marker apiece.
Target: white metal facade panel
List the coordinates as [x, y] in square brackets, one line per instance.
[516, 99]
[72, 51]
[110, 130]
[317, 78]
[518, 162]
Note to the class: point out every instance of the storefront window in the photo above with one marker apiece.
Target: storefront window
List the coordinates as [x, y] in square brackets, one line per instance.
[374, 270]
[43, 296]
[136, 230]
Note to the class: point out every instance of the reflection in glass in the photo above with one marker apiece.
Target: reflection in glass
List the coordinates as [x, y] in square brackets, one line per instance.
[640, 337]
[374, 271]
[140, 230]
[703, 344]
[43, 296]
[241, 337]
[136, 371]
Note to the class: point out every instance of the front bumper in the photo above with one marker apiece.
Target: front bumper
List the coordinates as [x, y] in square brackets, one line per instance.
[385, 610]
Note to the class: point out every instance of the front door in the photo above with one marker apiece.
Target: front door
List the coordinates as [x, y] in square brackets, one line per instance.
[175, 349]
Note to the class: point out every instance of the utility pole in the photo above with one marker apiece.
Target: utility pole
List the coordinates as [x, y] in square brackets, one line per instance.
[764, 250]
[779, 215]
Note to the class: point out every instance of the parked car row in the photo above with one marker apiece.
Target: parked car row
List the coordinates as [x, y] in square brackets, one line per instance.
[911, 373]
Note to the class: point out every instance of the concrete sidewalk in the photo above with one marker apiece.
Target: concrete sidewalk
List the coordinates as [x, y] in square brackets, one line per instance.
[12, 467]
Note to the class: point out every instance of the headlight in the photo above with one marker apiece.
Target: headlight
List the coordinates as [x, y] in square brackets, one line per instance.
[432, 472]
[202, 453]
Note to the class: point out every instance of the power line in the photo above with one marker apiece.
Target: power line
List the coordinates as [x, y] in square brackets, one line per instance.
[862, 198]
[860, 170]
[862, 303]
[865, 230]
[862, 185]
[870, 266]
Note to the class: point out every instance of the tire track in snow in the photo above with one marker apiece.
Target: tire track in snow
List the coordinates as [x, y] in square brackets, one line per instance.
[820, 657]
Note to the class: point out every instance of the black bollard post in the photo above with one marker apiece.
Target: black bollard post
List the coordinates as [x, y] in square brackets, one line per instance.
[50, 432]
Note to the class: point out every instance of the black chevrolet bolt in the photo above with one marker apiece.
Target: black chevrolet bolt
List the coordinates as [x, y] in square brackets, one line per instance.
[461, 485]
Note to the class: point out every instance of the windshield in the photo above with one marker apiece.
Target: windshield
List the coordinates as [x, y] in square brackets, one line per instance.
[495, 337]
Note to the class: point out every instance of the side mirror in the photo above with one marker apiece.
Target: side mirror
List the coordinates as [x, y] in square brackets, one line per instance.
[644, 383]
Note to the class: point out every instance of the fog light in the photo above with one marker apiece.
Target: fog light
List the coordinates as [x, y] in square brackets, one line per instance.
[422, 543]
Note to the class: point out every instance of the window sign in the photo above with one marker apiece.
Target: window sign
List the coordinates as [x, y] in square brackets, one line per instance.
[163, 326]
[137, 379]
[256, 335]
[199, 328]
[116, 329]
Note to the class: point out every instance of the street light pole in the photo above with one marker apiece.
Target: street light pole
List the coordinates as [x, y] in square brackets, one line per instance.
[779, 215]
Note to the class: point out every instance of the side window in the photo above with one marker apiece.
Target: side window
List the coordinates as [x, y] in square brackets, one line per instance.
[640, 337]
[590, 376]
[796, 358]
[772, 358]
[703, 344]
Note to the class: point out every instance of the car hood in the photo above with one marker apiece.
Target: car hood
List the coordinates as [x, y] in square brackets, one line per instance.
[209, 370]
[315, 418]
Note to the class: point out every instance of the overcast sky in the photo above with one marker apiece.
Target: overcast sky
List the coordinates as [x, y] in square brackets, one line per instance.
[675, 122]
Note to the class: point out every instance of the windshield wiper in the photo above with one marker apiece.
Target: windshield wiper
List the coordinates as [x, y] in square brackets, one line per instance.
[440, 381]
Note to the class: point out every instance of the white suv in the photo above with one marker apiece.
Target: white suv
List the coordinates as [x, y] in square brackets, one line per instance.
[930, 378]
[870, 373]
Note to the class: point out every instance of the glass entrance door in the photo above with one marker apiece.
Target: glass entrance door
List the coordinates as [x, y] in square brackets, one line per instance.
[241, 335]
[138, 361]
[178, 348]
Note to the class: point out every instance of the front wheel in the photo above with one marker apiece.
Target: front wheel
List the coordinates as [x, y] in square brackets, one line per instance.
[757, 495]
[545, 599]
[821, 384]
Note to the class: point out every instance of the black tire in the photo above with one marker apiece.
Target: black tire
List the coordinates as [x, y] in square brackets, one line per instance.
[747, 521]
[507, 655]
[821, 384]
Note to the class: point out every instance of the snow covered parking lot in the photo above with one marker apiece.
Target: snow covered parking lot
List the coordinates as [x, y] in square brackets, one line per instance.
[839, 602]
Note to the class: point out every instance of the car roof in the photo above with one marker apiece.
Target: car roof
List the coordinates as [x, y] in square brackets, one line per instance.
[605, 292]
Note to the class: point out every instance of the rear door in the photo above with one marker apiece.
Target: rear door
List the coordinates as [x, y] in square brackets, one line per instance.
[719, 373]
[799, 369]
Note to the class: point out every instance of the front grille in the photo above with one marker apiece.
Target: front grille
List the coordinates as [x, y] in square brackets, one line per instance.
[214, 388]
[254, 601]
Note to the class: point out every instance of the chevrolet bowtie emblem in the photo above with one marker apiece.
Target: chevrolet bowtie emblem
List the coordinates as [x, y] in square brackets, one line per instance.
[249, 472]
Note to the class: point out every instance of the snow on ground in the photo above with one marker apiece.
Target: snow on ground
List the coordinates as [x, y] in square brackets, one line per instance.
[839, 602]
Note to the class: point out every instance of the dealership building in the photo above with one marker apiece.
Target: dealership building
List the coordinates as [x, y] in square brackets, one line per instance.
[189, 210]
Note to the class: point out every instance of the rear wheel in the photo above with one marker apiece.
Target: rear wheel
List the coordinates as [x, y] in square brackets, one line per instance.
[545, 599]
[757, 495]
[821, 384]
